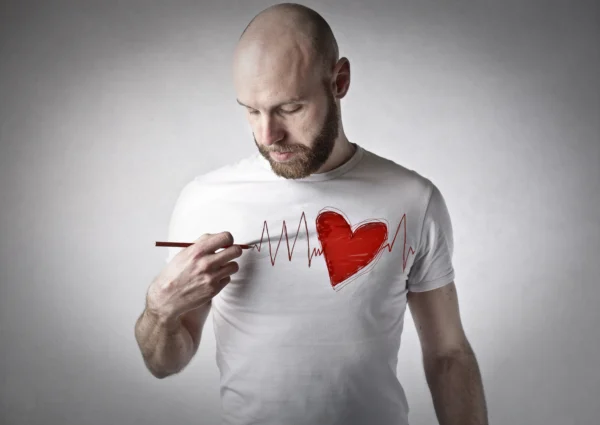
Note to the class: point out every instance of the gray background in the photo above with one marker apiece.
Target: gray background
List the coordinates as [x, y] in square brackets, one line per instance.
[108, 108]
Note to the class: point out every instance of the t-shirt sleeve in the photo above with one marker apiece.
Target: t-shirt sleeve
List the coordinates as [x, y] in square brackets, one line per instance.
[433, 267]
[177, 223]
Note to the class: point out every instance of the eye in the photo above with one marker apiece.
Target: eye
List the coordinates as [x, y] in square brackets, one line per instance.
[252, 112]
[291, 111]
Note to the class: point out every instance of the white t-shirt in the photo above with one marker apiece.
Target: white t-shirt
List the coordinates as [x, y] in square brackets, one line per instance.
[308, 330]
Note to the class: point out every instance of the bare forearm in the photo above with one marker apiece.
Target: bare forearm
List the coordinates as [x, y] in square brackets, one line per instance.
[166, 348]
[457, 389]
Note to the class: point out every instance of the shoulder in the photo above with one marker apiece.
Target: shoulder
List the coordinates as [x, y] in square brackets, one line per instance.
[215, 178]
[399, 177]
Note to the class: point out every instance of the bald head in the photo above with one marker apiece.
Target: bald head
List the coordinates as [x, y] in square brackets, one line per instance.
[290, 29]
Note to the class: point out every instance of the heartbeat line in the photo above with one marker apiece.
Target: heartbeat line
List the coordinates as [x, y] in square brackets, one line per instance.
[318, 252]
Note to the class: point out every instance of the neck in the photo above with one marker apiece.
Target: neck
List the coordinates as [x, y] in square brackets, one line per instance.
[341, 153]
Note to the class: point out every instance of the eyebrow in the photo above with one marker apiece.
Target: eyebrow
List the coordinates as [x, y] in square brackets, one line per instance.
[294, 99]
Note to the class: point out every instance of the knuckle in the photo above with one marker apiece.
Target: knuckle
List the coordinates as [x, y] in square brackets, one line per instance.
[202, 238]
[169, 285]
[206, 280]
[198, 251]
[228, 237]
[212, 290]
[204, 264]
[201, 248]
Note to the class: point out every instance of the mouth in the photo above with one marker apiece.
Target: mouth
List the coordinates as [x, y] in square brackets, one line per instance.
[281, 156]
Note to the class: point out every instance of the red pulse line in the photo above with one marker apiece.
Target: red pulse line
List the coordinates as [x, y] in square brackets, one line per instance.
[319, 252]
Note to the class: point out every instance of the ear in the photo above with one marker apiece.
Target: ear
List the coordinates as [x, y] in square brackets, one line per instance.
[341, 82]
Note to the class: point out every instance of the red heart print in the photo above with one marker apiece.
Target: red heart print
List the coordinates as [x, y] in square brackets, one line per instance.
[347, 252]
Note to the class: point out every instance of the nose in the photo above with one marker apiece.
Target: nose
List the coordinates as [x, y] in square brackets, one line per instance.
[271, 131]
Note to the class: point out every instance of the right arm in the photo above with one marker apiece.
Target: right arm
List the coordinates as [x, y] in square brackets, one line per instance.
[178, 302]
[168, 345]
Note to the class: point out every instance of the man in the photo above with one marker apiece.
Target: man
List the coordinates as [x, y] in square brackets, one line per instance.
[308, 334]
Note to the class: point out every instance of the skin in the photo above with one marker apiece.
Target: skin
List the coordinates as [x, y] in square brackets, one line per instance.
[451, 368]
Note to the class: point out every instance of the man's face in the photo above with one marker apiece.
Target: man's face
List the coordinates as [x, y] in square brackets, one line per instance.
[312, 148]
[289, 109]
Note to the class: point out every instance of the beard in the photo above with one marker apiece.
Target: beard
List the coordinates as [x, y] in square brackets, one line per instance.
[307, 160]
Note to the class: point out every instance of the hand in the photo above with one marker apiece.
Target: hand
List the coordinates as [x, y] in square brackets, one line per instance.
[194, 276]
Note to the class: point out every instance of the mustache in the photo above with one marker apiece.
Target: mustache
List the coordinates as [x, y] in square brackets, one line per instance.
[277, 151]
[283, 149]
[279, 148]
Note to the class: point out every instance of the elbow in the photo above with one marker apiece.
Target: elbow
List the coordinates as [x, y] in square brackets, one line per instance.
[159, 373]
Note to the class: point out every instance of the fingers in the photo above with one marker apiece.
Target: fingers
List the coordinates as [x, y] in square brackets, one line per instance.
[218, 264]
[226, 271]
[209, 243]
[226, 254]
[224, 281]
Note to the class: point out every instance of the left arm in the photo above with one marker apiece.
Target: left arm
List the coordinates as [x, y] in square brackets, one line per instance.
[451, 368]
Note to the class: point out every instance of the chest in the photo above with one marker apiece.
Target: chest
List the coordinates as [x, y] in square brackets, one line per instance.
[338, 255]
